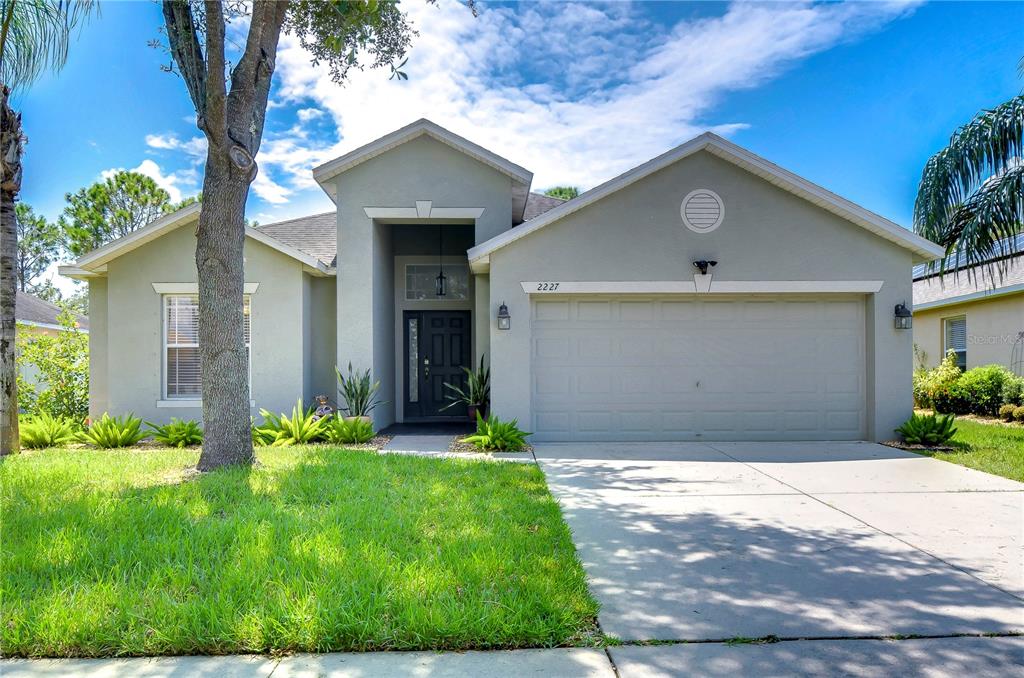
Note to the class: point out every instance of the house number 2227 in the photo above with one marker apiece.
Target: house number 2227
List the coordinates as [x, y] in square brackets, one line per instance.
[547, 286]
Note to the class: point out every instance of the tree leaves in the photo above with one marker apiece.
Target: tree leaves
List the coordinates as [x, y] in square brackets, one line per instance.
[112, 208]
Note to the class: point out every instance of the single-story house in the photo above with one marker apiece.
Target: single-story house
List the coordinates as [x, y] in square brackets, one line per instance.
[706, 294]
[977, 311]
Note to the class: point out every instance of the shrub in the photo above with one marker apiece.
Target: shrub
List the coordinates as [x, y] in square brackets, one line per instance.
[932, 388]
[45, 430]
[178, 433]
[342, 431]
[1018, 414]
[111, 432]
[492, 434]
[927, 429]
[62, 365]
[477, 391]
[301, 428]
[1013, 390]
[981, 388]
[359, 392]
[1006, 412]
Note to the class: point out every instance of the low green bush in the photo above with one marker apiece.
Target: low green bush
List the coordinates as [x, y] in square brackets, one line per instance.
[981, 388]
[1018, 414]
[178, 433]
[1006, 412]
[281, 430]
[109, 432]
[1013, 390]
[45, 430]
[933, 388]
[342, 431]
[494, 435]
[927, 429]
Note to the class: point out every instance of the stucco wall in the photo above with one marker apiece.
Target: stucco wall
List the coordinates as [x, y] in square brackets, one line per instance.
[993, 325]
[133, 348]
[99, 387]
[422, 169]
[324, 349]
[767, 234]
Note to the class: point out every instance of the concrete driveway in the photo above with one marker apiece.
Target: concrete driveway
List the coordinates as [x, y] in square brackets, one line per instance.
[795, 540]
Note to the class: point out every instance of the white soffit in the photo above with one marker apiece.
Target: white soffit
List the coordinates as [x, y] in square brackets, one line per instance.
[717, 287]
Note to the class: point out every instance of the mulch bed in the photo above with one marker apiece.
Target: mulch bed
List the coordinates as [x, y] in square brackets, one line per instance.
[900, 445]
[458, 447]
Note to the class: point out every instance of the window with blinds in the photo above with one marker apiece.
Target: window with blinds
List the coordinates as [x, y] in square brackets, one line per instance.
[956, 339]
[182, 379]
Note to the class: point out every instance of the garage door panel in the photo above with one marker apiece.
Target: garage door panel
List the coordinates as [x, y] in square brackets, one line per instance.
[718, 368]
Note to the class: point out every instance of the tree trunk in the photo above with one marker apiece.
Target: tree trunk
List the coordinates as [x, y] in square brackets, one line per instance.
[10, 154]
[227, 438]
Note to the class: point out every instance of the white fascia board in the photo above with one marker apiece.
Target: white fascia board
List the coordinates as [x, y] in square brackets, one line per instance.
[48, 326]
[77, 273]
[193, 288]
[152, 231]
[924, 250]
[327, 171]
[973, 296]
[312, 263]
[717, 287]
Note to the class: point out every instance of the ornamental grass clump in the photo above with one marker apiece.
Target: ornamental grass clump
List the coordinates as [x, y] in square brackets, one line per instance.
[494, 435]
[178, 433]
[111, 432]
[929, 430]
[45, 430]
[348, 431]
[280, 430]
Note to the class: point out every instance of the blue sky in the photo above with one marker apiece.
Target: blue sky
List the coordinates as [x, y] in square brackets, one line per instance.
[853, 96]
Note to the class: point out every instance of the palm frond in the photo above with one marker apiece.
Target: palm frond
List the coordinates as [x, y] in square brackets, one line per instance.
[987, 146]
[35, 35]
[984, 226]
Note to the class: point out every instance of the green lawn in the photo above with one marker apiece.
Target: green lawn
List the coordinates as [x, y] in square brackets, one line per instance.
[122, 553]
[989, 447]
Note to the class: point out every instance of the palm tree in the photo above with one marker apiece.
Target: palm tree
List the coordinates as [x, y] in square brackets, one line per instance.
[971, 197]
[34, 38]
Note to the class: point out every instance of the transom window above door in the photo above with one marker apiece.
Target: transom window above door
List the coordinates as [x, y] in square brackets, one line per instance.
[420, 282]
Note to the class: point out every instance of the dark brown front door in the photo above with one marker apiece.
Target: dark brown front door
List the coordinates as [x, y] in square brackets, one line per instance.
[437, 347]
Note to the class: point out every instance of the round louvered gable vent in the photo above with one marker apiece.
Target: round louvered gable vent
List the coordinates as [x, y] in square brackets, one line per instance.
[702, 210]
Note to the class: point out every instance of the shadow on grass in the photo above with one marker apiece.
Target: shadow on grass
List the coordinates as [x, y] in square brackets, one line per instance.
[315, 550]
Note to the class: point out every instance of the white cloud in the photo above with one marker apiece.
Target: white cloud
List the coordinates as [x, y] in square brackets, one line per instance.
[172, 182]
[307, 114]
[575, 93]
[268, 190]
[195, 147]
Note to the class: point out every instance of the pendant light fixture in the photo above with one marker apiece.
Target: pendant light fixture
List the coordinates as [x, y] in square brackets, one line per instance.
[441, 281]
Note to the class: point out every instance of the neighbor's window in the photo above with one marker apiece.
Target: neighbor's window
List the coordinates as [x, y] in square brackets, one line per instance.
[956, 339]
[420, 281]
[181, 345]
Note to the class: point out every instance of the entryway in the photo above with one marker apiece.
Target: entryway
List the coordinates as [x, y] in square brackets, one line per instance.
[437, 346]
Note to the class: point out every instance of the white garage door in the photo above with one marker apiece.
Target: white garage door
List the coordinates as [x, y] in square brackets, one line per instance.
[698, 368]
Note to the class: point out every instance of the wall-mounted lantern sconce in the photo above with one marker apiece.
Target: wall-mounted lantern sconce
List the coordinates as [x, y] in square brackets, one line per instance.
[702, 266]
[904, 318]
[504, 319]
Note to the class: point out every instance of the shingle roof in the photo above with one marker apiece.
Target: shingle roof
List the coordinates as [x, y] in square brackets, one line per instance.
[316, 235]
[983, 278]
[957, 260]
[31, 309]
[538, 203]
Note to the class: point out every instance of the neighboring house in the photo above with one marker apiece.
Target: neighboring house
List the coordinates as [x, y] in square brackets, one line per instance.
[976, 311]
[612, 333]
[35, 316]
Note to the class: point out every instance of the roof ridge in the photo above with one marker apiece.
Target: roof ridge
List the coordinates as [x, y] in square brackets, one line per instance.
[288, 221]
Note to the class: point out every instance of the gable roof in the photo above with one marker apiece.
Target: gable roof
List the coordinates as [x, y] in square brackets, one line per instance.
[538, 203]
[94, 263]
[521, 177]
[316, 235]
[924, 250]
[31, 310]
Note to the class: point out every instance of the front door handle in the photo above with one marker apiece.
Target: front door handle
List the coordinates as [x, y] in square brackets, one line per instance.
[426, 367]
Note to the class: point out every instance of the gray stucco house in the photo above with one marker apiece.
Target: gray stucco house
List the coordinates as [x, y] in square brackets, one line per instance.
[614, 333]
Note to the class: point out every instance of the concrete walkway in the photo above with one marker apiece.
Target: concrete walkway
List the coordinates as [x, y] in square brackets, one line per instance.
[718, 541]
[954, 657]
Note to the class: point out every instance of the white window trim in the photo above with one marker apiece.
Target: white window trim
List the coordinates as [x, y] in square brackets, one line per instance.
[166, 401]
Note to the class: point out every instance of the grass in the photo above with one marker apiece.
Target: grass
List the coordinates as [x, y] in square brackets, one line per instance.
[122, 553]
[991, 447]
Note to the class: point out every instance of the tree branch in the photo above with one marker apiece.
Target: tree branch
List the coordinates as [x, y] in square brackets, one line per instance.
[216, 88]
[183, 40]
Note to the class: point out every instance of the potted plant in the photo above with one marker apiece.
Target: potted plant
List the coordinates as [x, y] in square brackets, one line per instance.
[476, 395]
[359, 392]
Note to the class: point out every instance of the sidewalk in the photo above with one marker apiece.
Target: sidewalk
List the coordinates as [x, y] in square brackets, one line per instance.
[954, 657]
